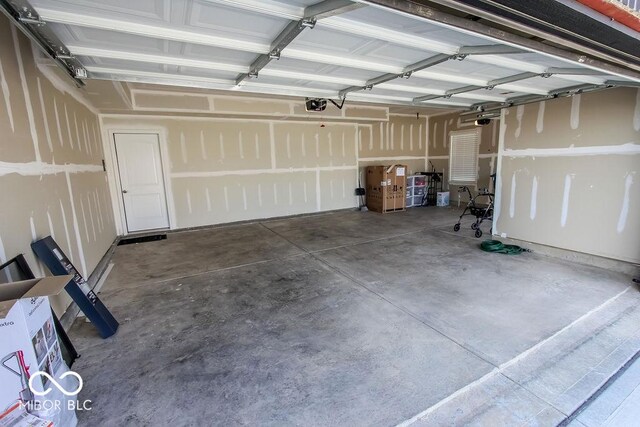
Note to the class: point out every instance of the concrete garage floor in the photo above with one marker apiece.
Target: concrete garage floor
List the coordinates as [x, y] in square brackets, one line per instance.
[351, 318]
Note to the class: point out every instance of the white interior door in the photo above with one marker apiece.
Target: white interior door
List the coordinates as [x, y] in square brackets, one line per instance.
[142, 181]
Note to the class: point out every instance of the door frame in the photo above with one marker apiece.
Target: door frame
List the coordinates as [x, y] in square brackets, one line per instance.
[113, 173]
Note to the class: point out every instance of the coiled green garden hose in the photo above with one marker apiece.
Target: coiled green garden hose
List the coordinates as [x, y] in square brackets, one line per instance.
[497, 246]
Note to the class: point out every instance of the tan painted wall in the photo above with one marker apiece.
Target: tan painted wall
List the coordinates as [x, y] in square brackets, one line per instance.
[440, 128]
[585, 201]
[51, 178]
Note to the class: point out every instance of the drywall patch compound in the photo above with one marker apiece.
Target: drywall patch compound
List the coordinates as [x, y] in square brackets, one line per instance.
[565, 200]
[575, 111]
[540, 120]
[534, 198]
[624, 211]
[7, 96]
[512, 201]
[519, 115]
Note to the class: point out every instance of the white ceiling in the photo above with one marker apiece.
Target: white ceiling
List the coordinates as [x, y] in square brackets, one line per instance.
[210, 43]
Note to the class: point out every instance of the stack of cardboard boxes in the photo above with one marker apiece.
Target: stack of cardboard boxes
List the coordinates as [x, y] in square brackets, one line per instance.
[386, 188]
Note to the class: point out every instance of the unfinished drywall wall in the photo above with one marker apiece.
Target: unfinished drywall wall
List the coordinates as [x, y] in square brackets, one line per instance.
[439, 133]
[228, 169]
[51, 176]
[224, 170]
[401, 139]
[193, 101]
[568, 174]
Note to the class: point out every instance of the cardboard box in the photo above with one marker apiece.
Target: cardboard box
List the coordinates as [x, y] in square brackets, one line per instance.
[28, 339]
[386, 186]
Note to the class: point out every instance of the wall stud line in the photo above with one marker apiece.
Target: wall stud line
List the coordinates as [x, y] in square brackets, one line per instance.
[50, 222]
[411, 138]
[66, 116]
[303, 145]
[25, 91]
[272, 142]
[66, 232]
[624, 210]
[203, 148]
[99, 217]
[93, 225]
[84, 220]
[512, 199]
[189, 207]
[78, 139]
[534, 198]
[207, 196]
[275, 194]
[257, 143]
[76, 227]
[7, 96]
[42, 109]
[318, 195]
[221, 145]
[183, 148]
[304, 191]
[565, 200]
[244, 198]
[575, 111]
[330, 138]
[540, 119]
[59, 128]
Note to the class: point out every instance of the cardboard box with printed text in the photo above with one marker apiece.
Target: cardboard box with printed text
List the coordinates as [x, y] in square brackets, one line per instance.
[28, 339]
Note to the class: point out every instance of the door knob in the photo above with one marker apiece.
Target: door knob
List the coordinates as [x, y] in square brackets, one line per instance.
[124, 191]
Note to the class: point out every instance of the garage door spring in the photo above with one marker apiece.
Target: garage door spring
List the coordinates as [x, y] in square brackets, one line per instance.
[497, 246]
